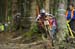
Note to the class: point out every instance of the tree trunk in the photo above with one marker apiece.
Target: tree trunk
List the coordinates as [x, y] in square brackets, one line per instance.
[2, 11]
[47, 5]
[33, 12]
[6, 10]
[61, 21]
[14, 7]
[14, 10]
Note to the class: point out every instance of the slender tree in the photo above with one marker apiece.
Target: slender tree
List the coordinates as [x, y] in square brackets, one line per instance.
[2, 11]
[14, 7]
[6, 9]
[47, 5]
[33, 10]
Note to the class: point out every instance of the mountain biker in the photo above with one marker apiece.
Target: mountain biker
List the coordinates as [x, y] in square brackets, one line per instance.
[40, 18]
[48, 20]
[52, 25]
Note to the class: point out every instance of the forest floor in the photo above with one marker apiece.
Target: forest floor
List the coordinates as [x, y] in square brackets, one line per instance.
[8, 42]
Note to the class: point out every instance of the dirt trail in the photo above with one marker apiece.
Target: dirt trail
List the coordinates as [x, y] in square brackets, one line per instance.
[21, 46]
[8, 42]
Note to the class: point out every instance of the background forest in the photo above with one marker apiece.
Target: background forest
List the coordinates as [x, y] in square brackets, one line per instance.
[24, 27]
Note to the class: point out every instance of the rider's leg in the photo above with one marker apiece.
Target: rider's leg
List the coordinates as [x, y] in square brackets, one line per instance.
[53, 31]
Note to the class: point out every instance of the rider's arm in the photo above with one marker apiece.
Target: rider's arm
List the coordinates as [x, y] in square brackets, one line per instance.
[38, 17]
[49, 14]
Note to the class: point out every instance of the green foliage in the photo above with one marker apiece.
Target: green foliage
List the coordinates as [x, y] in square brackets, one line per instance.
[9, 18]
[1, 27]
[33, 32]
[34, 28]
